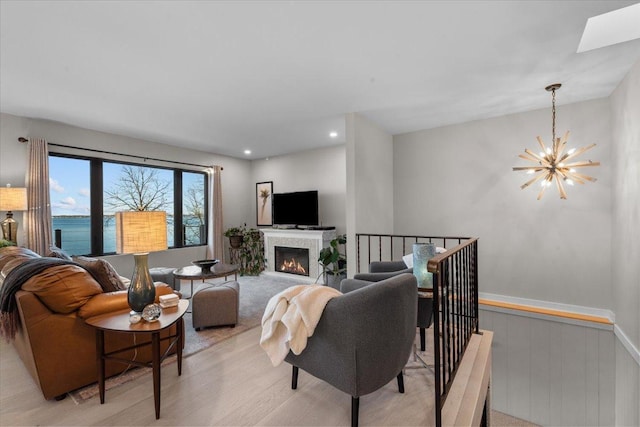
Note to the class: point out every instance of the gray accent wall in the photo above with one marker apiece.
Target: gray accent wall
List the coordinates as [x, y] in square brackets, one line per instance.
[457, 180]
[625, 115]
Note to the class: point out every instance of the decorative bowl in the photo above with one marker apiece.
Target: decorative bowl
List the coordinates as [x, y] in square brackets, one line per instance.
[205, 264]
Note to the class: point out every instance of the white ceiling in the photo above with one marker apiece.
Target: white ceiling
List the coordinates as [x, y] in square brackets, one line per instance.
[277, 77]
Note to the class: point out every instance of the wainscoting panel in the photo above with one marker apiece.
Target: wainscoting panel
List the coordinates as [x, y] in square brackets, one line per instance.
[550, 372]
[627, 388]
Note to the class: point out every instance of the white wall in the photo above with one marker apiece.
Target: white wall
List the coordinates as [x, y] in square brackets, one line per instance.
[322, 169]
[369, 182]
[625, 114]
[236, 177]
[457, 180]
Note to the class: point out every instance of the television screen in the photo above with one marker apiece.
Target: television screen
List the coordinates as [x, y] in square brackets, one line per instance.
[298, 208]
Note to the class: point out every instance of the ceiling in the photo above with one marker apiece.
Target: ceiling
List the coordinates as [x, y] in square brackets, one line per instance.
[278, 77]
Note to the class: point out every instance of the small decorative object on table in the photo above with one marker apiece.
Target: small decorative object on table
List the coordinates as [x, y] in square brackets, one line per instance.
[151, 313]
[170, 300]
[134, 317]
[205, 264]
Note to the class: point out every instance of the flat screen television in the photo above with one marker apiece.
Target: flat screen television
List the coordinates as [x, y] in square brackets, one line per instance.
[297, 208]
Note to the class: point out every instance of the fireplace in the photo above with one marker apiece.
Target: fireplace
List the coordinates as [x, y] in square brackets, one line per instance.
[309, 241]
[292, 260]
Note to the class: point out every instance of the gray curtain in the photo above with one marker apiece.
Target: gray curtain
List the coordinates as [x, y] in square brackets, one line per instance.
[38, 217]
[215, 249]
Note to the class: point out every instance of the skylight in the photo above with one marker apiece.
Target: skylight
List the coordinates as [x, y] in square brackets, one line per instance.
[611, 28]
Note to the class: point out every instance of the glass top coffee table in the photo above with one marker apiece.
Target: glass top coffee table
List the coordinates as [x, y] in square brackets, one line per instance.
[193, 272]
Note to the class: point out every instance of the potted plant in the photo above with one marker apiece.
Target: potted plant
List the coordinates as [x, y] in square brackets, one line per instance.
[252, 253]
[235, 235]
[334, 262]
[5, 243]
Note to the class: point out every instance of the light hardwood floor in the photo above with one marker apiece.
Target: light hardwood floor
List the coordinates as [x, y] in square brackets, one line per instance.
[230, 384]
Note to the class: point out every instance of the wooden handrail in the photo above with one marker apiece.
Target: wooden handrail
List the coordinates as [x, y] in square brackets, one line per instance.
[546, 311]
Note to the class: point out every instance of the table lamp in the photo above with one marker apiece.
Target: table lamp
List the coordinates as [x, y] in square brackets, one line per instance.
[422, 253]
[12, 199]
[141, 232]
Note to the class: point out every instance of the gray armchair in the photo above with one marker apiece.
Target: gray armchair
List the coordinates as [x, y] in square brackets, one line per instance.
[363, 339]
[380, 270]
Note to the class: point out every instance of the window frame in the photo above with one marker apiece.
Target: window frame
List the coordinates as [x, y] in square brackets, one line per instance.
[96, 185]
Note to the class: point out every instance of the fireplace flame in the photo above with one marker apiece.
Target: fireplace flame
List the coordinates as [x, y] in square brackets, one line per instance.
[292, 266]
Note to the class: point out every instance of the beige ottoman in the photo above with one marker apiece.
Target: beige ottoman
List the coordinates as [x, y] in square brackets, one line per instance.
[215, 304]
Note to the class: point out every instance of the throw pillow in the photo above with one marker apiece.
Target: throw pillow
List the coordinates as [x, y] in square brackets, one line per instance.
[103, 272]
[56, 252]
[63, 288]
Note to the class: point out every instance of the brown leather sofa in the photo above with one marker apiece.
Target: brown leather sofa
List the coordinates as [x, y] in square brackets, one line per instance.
[56, 346]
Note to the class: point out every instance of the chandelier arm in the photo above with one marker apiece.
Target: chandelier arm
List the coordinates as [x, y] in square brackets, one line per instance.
[532, 180]
[527, 168]
[541, 193]
[580, 151]
[583, 176]
[544, 149]
[535, 156]
[582, 164]
[560, 145]
[563, 194]
[566, 174]
[530, 158]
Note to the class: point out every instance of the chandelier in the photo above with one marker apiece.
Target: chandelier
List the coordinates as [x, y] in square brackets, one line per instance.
[552, 163]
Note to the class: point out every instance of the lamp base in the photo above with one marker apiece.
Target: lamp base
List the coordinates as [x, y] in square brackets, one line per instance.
[141, 292]
[10, 228]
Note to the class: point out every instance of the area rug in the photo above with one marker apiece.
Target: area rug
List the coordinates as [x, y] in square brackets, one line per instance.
[255, 292]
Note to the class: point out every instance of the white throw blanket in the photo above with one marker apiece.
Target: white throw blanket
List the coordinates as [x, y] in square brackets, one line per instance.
[291, 317]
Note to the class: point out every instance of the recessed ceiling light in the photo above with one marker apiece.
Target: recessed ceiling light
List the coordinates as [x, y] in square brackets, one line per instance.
[247, 152]
[333, 134]
[611, 28]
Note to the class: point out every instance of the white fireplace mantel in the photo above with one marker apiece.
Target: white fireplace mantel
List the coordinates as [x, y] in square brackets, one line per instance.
[313, 240]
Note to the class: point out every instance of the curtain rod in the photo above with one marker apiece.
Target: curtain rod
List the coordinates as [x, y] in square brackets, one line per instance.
[23, 139]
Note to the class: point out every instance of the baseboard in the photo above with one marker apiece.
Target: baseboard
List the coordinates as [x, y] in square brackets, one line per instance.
[627, 344]
[546, 310]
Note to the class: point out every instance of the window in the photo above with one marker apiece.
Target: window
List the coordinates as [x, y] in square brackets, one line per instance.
[193, 209]
[70, 195]
[85, 224]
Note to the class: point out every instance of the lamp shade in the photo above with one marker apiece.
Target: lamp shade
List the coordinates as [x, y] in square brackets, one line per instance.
[141, 231]
[13, 199]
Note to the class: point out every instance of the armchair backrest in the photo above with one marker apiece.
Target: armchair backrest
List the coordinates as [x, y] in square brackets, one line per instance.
[364, 337]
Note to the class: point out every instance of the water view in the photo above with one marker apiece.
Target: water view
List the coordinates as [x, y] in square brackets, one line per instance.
[76, 233]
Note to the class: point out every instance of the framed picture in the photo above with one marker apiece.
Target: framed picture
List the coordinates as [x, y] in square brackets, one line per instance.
[264, 203]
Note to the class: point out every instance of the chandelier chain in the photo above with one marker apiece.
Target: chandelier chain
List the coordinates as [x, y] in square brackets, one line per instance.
[553, 115]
